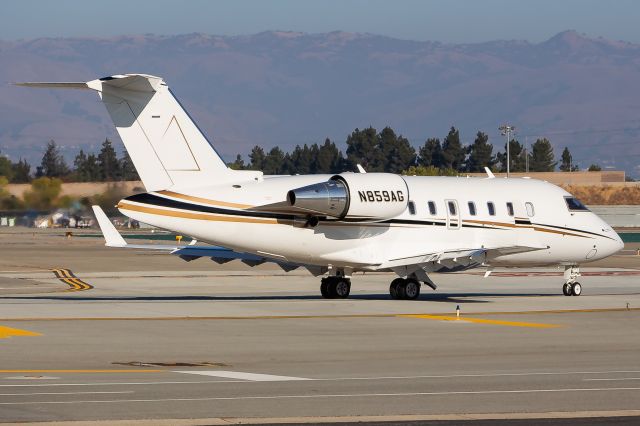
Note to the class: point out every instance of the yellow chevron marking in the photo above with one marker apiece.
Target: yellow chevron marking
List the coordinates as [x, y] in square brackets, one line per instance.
[67, 277]
[6, 332]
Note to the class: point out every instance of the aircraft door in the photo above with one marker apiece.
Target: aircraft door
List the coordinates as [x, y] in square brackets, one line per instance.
[453, 214]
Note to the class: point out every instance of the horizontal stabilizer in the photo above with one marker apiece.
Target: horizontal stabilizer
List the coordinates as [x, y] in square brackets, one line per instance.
[54, 85]
[110, 233]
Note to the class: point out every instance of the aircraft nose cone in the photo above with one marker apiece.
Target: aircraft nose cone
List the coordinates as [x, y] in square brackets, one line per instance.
[613, 245]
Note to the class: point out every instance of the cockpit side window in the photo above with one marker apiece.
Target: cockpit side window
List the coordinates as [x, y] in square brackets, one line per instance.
[574, 205]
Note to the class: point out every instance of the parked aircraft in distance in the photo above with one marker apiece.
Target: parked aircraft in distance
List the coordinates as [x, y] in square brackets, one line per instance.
[336, 224]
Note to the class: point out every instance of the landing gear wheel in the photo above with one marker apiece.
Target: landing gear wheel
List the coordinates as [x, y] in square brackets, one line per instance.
[324, 288]
[566, 289]
[401, 290]
[341, 288]
[576, 289]
[393, 288]
[411, 289]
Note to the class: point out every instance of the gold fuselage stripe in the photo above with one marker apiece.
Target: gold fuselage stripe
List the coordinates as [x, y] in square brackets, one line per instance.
[204, 200]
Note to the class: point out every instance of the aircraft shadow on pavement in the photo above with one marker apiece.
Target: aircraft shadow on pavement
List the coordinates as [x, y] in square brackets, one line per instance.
[440, 297]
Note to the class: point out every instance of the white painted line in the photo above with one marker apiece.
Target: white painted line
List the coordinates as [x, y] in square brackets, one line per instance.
[355, 395]
[61, 393]
[612, 380]
[329, 379]
[252, 377]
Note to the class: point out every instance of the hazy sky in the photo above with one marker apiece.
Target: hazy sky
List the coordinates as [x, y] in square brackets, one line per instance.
[443, 20]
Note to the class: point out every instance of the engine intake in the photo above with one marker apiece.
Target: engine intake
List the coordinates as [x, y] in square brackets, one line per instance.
[355, 196]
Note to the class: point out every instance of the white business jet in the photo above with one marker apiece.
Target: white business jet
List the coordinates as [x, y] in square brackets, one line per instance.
[336, 224]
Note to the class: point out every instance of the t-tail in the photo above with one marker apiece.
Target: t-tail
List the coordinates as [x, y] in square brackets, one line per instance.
[168, 149]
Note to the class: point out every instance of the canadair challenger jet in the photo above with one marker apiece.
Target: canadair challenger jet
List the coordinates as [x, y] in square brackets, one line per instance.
[336, 224]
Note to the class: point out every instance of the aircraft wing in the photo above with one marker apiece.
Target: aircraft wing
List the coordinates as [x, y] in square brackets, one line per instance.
[191, 252]
[453, 260]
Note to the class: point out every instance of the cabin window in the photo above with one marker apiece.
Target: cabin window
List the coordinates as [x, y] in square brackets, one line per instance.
[492, 208]
[472, 208]
[530, 210]
[452, 208]
[510, 209]
[412, 208]
[574, 205]
[432, 208]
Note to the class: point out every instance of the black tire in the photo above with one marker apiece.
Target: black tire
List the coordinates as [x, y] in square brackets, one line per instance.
[324, 288]
[342, 288]
[393, 288]
[576, 289]
[411, 289]
[566, 289]
[401, 290]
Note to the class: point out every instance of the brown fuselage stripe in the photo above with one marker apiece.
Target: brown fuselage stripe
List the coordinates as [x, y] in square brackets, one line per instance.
[197, 216]
[223, 218]
[204, 200]
[535, 228]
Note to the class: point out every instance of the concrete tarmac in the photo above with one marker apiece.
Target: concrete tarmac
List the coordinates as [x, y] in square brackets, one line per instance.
[126, 335]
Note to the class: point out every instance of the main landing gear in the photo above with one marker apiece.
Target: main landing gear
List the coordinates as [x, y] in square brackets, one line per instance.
[571, 286]
[335, 287]
[404, 288]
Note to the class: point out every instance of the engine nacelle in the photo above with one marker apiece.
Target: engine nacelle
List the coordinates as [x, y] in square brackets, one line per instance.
[354, 196]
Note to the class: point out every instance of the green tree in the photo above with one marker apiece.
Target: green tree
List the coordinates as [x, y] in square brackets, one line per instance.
[326, 158]
[480, 154]
[21, 172]
[108, 162]
[299, 161]
[595, 168]
[542, 158]
[363, 148]
[430, 154]
[256, 158]
[517, 157]
[127, 169]
[398, 152]
[79, 164]
[453, 153]
[566, 161]
[44, 193]
[53, 164]
[7, 200]
[238, 164]
[6, 168]
[274, 162]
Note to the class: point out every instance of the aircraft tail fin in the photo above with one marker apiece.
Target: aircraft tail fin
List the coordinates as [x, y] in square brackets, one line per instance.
[168, 149]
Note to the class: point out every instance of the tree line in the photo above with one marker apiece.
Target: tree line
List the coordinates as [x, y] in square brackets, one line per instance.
[105, 166]
[383, 151]
[386, 151]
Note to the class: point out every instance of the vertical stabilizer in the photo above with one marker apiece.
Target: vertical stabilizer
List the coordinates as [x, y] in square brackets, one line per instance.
[168, 149]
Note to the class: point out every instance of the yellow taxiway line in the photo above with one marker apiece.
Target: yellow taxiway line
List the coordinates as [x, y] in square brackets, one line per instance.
[483, 321]
[6, 332]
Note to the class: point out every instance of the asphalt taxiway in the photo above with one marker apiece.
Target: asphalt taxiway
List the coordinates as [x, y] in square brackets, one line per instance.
[95, 334]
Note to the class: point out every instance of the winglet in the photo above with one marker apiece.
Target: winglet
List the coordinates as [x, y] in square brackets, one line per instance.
[360, 168]
[489, 173]
[110, 233]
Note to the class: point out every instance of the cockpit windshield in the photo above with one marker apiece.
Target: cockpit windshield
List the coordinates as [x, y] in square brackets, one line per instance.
[574, 205]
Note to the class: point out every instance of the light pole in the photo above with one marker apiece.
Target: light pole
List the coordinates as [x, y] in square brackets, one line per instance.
[507, 130]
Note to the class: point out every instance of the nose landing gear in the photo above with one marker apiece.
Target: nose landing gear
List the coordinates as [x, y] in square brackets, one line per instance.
[571, 287]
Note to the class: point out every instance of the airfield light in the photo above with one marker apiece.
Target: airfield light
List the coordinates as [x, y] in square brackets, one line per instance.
[507, 130]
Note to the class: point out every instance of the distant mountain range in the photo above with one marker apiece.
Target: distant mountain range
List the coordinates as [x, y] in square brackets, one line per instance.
[285, 88]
